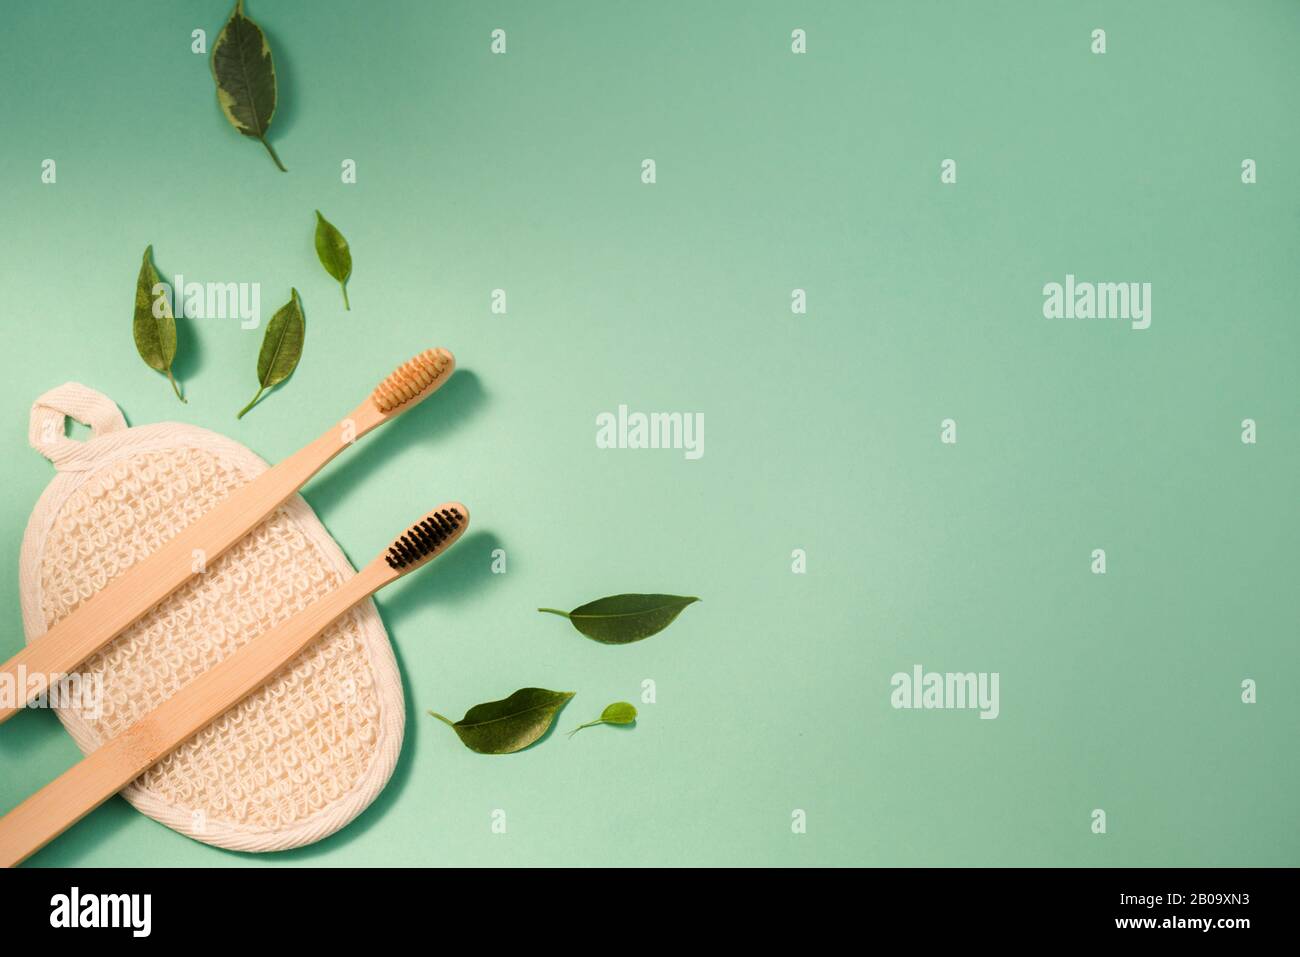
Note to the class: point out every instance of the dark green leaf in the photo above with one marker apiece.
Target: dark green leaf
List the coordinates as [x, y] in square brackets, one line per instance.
[154, 327]
[512, 724]
[334, 254]
[620, 619]
[281, 348]
[620, 712]
[245, 76]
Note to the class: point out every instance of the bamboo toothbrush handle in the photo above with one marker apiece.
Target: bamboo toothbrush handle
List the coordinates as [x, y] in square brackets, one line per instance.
[107, 613]
[92, 781]
[78, 791]
[101, 617]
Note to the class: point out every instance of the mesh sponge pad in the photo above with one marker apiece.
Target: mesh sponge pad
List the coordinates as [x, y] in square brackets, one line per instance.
[296, 760]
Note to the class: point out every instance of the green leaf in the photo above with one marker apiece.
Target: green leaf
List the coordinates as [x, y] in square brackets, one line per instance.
[281, 348]
[334, 254]
[154, 327]
[511, 724]
[620, 712]
[620, 619]
[245, 77]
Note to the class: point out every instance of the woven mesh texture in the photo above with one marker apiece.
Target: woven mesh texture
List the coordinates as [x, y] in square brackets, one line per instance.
[298, 758]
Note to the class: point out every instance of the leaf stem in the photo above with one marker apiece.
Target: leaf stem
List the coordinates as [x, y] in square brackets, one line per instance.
[346, 305]
[589, 724]
[175, 387]
[271, 149]
[253, 402]
[555, 611]
[445, 721]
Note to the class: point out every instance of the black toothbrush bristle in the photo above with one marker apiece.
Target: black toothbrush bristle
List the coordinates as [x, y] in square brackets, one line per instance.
[423, 538]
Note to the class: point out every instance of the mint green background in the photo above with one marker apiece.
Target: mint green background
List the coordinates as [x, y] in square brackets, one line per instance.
[822, 431]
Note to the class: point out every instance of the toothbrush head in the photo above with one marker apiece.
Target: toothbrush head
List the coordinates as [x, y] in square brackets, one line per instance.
[413, 380]
[427, 538]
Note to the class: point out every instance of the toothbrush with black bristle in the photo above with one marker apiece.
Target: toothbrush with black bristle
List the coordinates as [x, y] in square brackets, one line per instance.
[110, 611]
[115, 764]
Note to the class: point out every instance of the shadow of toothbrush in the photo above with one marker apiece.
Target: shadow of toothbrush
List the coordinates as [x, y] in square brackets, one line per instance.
[455, 577]
[445, 412]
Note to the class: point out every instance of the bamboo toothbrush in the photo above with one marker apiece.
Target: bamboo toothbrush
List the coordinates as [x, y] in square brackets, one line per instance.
[108, 612]
[115, 764]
